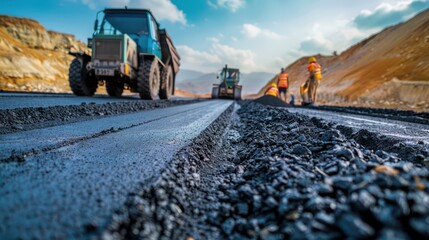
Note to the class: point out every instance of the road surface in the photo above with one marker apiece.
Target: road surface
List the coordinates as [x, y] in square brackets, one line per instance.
[407, 132]
[11, 100]
[90, 168]
[66, 180]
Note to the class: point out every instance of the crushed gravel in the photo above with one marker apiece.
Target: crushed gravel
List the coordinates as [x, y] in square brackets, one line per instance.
[21, 119]
[271, 101]
[277, 175]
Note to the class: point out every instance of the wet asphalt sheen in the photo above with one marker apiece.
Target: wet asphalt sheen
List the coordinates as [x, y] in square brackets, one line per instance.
[10, 100]
[59, 193]
[408, 132]
[26, 100]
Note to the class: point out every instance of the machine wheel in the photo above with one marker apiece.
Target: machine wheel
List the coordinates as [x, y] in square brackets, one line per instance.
[80, 82]
[215, 92]
[148, 79]
[222, 88]
[114, 88]
[166, 83]
[237, 93]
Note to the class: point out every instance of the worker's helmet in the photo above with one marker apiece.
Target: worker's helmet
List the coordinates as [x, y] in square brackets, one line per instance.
[312, 59]
[273, 85]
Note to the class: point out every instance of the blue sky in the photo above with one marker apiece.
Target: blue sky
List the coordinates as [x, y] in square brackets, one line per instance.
[254, 35]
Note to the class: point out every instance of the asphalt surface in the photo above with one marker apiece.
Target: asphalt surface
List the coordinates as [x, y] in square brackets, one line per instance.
[11, 100]
[76, 175]
[404, 131]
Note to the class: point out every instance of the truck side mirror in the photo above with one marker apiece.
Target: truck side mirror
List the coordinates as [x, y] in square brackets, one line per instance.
[89, 43]
[95, 25]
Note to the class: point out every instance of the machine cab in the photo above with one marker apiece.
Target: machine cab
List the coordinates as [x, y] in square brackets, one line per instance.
[230, 76]
[139, 25]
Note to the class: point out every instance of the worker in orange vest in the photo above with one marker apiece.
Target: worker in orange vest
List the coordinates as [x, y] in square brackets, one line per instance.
[283, 84]
[272, 90]
[313, 81]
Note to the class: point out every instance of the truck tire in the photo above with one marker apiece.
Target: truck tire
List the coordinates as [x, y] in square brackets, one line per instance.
[114, 88]
[166, 83]
[80, 82]
[148, 79]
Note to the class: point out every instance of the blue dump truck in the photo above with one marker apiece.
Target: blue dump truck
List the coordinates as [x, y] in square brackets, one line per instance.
[129, 51]
[228, 88]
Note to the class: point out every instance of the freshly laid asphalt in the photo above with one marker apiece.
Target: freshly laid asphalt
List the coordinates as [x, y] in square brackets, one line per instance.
[91, 168]
[11, 100]
[407, 132]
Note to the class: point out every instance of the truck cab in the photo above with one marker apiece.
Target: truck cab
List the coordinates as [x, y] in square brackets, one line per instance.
[139, 25]
[130, 51]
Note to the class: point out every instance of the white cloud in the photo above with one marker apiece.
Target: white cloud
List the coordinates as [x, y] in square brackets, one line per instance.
[162, 9]
[211, 4]
[217, 55]
[91, 3]
[387, 14]
[316, 43]
[252, 31]
[245, 59]
[197, 60]
[213, 39]
[326, 39]
[232, 5]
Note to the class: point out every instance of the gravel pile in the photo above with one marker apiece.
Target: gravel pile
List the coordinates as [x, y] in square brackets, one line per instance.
[13, 120]
[303, 181]
[278, 175]
[271, 101]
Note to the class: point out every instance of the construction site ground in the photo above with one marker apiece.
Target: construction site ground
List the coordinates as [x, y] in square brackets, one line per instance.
[237, 170]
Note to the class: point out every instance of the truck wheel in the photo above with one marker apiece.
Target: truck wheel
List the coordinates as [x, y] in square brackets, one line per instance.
[80, 82]
[166, 83]
[148, 79]
[114, 88]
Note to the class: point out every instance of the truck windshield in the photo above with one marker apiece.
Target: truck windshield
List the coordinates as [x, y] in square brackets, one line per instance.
[130, 23]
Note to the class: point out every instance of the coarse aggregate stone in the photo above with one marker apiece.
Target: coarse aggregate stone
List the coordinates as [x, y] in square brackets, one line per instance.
[270, 174]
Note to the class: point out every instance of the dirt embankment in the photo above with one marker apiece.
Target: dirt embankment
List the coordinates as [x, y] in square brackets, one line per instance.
[33, 58]
[387, 69]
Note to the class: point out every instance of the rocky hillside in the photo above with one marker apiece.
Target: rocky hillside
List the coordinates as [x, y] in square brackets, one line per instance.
[33, 58]
[389, 68]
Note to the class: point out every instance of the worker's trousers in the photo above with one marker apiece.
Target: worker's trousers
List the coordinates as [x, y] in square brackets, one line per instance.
[312, 88]
[282, 93]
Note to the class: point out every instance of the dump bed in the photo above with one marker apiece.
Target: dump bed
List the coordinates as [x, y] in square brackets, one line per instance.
[169, 52]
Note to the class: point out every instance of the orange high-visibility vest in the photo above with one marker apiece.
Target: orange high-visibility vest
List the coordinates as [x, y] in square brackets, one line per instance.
[272, 91]
[282, 80]
[316, 69]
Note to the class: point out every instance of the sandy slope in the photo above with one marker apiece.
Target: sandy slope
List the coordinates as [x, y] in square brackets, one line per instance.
[391, 67]
[33, 58]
